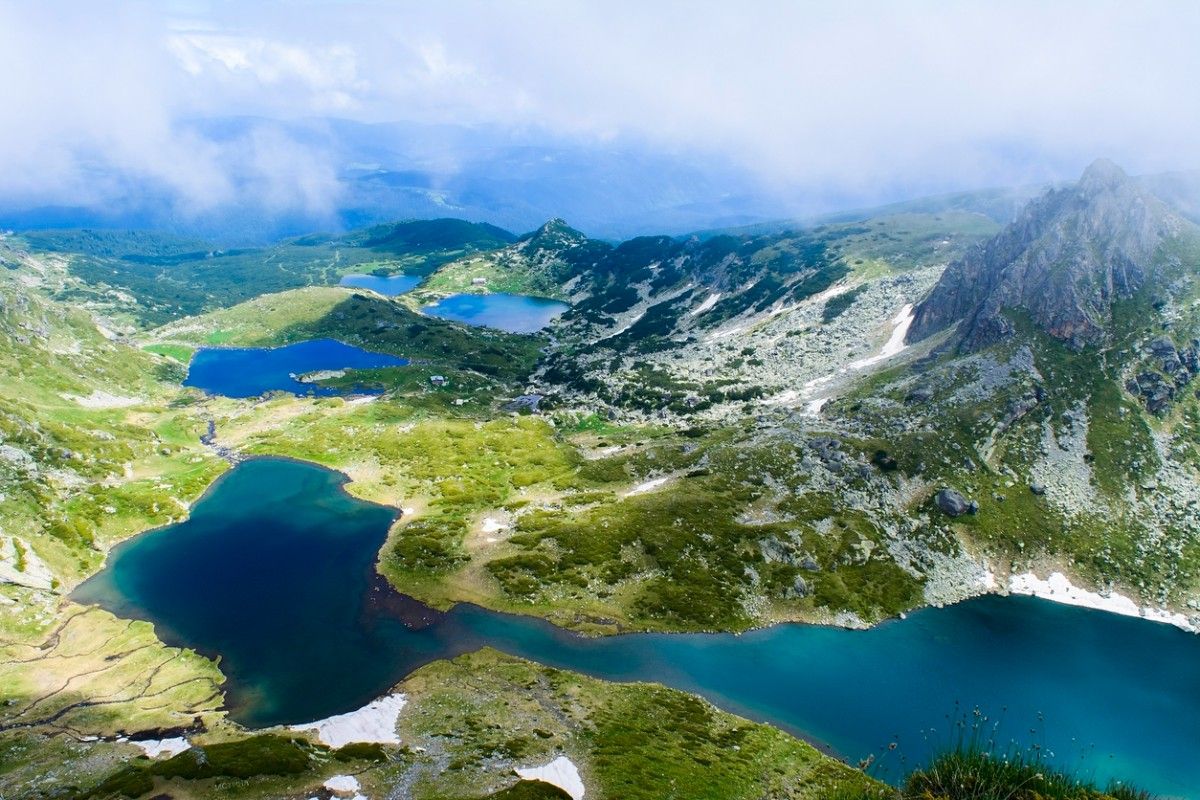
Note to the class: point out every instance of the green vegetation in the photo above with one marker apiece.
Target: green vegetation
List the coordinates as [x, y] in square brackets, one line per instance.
[367, 321]
[988, 425]
[267, 754]
[170, 278]
[973, 773]
[521, 790]
[469, 724]
[234, 768]
[837, 305]
[433, 241]
[180, 352]
[629, 741]
[539, 264]
[738, 520]
[909, 239]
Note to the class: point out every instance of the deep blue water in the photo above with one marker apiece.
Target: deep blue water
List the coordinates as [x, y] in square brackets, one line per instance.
[274, 571]
[250, 371]
[515, 313]
[390, 286]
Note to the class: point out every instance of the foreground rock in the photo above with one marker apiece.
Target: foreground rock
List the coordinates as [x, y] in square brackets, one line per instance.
[952, 503]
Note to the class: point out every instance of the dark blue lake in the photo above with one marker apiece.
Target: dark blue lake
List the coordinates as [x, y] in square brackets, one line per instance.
[515, 313]
[391, 285]
[274, 571]
[250, 371]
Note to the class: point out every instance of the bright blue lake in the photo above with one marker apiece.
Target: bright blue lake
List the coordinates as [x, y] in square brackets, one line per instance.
[274, 571]
[515, 313]
[391, 285]
[250, 371]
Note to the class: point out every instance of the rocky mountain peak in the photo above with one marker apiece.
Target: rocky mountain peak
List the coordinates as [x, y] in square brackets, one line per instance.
[555, 234]
[1063, 262]
[1101, 175]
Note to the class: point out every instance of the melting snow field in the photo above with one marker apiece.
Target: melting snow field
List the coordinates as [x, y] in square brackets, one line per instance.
[895, 343]
[892, 347]
[1059, 588]
[560, 772]
[708, 303]
[154, 748]
[648, 486]
[374, 722]
[344, 786]
[99, 399]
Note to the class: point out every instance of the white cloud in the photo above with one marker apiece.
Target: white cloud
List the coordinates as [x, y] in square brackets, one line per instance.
[316, 79]
[811, 96]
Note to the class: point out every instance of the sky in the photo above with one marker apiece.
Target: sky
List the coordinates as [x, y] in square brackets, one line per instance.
[805, 97]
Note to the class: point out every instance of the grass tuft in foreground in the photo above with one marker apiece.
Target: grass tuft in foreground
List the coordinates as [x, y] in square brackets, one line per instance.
[973, 772]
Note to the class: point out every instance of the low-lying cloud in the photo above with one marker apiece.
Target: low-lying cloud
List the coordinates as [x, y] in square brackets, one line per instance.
[861, 99]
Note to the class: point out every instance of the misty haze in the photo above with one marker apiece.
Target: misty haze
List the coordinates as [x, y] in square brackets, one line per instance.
[605, 400]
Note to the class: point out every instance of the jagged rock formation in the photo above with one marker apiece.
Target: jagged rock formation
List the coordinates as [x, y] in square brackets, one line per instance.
[1166, 372]
[1063, 262]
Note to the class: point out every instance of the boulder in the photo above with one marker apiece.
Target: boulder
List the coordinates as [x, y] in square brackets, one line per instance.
[1162, 347]
[884, 461]
[919, 395]
[799, 588]
[954, 504]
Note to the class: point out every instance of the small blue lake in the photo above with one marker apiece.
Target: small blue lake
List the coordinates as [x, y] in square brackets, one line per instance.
[274, 571]
[515, 313]
[250, 371]
[390, 285]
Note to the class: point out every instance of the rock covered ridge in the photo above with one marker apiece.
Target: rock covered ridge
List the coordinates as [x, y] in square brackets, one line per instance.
[1064, 261]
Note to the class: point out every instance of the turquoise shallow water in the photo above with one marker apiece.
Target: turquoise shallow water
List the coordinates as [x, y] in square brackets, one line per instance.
[515, 313]
[274, 571]
[391, 285]
[250, 371]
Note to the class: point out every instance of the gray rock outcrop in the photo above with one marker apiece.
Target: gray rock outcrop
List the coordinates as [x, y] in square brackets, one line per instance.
[1063, 262]
[953, 504]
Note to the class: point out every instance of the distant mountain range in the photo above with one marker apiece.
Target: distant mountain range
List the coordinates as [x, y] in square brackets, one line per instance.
[349, 175]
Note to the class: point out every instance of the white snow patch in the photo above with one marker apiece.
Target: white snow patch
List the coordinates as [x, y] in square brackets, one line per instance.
[560, 772]
[895, 343]
[830, 293]
[648, 486]
[33, 572]
[492, 525]
[727, 332]
[374, 722]
[343, 785]
[893, 346]
[813, 407]
[1059, 588]
[99, 399]
[157, 747]
[783, 398]
[633, 321]
[708, 303]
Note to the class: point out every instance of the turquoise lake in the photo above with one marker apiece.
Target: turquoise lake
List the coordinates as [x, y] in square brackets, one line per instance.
[274, 572]
[390, 285]
[250, 371]
[515, 313]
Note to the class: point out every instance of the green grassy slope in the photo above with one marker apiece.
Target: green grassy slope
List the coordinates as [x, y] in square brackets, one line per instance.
[360, 319]
[169, 278]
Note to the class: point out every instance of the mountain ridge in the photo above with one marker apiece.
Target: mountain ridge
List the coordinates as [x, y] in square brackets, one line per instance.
[1065, 260]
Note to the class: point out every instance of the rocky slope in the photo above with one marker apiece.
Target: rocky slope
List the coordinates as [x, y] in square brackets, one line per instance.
[1068, 257]
[800, 462]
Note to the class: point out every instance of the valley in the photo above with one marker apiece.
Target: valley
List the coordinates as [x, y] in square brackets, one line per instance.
[673, 439]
